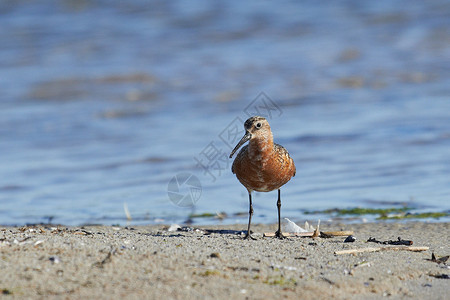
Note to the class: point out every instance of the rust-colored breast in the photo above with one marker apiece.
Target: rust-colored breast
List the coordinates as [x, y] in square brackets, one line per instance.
[264, 172]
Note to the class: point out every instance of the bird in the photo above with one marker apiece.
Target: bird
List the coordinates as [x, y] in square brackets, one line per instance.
[262, 165]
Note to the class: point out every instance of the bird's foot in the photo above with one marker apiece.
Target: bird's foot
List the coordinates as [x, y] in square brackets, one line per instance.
[248, 237]
[279, 235]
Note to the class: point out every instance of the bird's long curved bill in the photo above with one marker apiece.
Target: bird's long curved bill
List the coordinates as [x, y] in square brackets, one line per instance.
[245, 138]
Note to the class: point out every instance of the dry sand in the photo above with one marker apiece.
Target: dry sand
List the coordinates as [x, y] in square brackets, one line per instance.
[150, 262]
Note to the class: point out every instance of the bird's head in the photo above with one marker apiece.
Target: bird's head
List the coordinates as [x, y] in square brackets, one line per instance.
[255, 128]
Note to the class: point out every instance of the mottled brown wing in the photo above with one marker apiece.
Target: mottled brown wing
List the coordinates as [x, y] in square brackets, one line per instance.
[284, 157]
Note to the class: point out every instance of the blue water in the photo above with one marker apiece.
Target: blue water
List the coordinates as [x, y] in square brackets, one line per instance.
[103, 102]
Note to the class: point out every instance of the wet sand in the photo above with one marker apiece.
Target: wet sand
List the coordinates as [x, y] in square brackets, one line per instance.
[150, 262]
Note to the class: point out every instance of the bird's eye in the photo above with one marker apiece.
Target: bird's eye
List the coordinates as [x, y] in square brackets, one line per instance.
[258, 125]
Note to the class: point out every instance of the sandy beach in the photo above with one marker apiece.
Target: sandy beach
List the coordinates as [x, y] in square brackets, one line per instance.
[49, 261]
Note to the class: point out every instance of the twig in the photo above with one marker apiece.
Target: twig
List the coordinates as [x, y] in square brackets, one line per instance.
[441, 260]
[440, 276]
[272, 234]
[310, 234]
[316, 232]
[391, 242]
[127, 212]
[328, 280]
[376, 249]
[107, 259]
[338, 233]
[357, 266]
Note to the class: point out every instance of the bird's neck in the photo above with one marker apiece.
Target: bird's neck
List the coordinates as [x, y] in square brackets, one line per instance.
[261, 146]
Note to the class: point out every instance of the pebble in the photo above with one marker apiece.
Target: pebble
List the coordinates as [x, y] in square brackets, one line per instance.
[350, 239]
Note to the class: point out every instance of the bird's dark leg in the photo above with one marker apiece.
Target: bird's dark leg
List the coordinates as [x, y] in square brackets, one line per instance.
[250, 214]
[278, 233]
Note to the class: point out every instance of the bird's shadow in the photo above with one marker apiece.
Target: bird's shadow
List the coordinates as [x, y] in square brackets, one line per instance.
[224, 231]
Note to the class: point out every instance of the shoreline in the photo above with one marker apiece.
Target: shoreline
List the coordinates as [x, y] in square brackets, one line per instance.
[54, 261]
